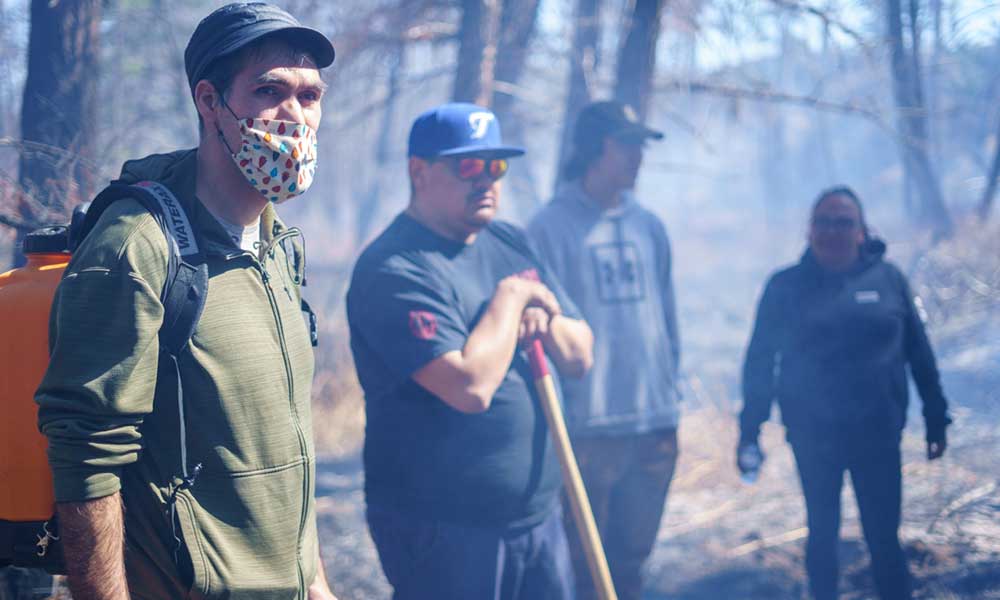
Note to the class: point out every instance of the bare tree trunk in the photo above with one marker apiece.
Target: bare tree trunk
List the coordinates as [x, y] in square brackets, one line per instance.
[937, 10]
[477, 51]
[772, 143]
[934, 80]
[6, 94]
[912, 120]
[825, 136]
[916, 70]
[583, 61]
[986, 204]
[517, 28]
[369, 210]
[58, 110]
[918, 122]
[637, 57]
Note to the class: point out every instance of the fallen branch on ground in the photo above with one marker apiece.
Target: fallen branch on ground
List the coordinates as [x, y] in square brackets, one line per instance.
[769, 542]
[968, 498]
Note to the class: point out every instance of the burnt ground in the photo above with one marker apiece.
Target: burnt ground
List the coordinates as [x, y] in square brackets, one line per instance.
[721, 538]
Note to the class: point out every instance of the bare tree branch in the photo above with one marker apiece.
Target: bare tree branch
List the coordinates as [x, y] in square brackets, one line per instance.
[764, 95]
[359, 115]
[775, 97]
[822, 15]
[431, 31]
[387, 26]
[769, 542]
[41, 150]
[16, 224]
[970, 497]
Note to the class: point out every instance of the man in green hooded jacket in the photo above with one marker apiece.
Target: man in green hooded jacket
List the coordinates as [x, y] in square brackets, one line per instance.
[211, 458]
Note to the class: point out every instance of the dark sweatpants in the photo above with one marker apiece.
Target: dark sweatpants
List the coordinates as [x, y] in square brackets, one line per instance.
[876, 475]
[626, 478]
[435, 560]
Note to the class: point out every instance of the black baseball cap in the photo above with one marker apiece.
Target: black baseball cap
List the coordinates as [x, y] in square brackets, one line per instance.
[236, 25]
[599, 120]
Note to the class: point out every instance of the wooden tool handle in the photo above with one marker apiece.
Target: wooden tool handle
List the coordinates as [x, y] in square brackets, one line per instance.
[582, 515]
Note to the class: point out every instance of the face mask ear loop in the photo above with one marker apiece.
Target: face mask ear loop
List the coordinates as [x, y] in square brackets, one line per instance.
[218, 130]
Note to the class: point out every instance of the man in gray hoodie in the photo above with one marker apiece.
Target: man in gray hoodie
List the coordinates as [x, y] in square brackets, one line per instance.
[613, 258]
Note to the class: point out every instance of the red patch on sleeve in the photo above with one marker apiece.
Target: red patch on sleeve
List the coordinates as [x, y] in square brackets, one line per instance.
[531, 274]
[423, 325]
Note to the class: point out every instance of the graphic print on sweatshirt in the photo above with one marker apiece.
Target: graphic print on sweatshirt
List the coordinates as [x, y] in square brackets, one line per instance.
[618, 272]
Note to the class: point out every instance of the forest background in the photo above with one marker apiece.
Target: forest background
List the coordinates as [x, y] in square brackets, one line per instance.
[764, 103]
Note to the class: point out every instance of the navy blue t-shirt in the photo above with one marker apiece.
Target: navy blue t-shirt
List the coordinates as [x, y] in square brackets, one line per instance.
[415, 296]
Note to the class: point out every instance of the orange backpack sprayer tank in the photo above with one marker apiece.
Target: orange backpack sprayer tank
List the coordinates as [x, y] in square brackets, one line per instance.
[25, 301]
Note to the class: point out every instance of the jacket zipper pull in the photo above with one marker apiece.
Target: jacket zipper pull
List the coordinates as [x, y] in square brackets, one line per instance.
[188, 482]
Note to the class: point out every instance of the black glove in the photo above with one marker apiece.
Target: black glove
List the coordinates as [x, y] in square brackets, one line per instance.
[936, 447]
[749, 457]
[937, 439]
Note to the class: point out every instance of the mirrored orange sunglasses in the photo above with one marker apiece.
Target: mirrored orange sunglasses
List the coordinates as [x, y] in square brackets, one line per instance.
[470, 168]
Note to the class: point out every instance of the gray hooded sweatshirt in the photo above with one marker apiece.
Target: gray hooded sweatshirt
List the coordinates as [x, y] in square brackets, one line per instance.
[616, 266]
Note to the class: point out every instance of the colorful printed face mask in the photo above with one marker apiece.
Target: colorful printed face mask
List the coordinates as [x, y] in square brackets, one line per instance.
[277, 157]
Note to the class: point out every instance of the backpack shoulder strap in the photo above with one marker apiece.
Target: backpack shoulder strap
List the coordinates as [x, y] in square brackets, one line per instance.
[184, 292]
[183, 297]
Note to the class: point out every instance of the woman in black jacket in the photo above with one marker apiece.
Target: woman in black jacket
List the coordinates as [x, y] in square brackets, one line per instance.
[833, 337]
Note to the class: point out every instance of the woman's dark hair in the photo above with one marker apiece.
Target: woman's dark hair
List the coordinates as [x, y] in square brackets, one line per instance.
[847, 192]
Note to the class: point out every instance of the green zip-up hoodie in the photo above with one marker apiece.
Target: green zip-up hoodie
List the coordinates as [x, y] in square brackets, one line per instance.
[247, 525]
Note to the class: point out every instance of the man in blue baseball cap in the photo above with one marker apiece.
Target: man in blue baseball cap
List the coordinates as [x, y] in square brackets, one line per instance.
[460, 478]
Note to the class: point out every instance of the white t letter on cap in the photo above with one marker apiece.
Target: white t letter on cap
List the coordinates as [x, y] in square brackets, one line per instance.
[480, 123]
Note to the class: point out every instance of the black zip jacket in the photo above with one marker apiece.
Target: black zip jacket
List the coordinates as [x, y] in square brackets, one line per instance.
[833, 349]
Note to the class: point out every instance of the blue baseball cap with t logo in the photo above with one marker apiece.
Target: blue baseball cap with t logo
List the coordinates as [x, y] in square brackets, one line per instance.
[457, 129]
